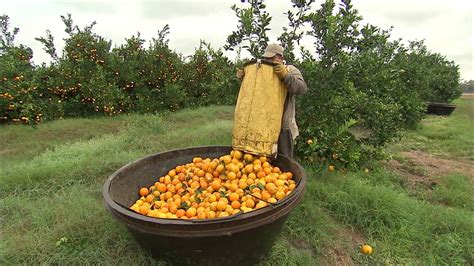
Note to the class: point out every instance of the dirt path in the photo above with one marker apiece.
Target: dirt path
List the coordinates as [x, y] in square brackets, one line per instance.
[422, 168]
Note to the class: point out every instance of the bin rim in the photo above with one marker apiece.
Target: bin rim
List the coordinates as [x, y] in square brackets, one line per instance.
[124, 211]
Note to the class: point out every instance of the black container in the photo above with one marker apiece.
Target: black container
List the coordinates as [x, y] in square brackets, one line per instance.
[440, 108]
[240, 239]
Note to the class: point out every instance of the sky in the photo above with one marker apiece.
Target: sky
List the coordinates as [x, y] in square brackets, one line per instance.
[445, 26]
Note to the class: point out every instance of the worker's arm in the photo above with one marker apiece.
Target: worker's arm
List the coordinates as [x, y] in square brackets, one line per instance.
[294, 81]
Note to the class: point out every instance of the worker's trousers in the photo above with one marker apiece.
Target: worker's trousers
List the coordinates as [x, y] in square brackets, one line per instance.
[285, 143]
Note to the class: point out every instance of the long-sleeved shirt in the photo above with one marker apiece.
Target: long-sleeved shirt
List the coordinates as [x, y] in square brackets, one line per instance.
[295, 84]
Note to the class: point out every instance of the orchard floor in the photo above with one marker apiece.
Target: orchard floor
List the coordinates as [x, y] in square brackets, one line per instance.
[414, 208]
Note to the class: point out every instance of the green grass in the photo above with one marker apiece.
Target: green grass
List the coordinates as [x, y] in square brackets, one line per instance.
[455, 190]
[444, 136]
[51, 208]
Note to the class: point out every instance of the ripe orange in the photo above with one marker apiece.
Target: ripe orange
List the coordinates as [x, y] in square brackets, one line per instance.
[233, 196]
[237, 154]
[149, 198]
[266, 195]
[221, 205]
[212, 198]
[220, 168]
[233, 187]
[211, 214]
[216, 184]
[249, 203]
[201, 215]
[215, 188]
[162, 187]
[235, 204]
[257, 168]
[190, 212]
[144, 191]
[280, 194]
[143, 209]
[231, 176]
[366, 249]
[248, 157]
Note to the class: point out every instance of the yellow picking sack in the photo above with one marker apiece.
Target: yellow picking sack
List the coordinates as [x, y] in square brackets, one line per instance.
[259, 110]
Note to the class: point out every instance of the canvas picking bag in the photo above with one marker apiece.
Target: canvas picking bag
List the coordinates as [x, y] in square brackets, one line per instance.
[259, 110]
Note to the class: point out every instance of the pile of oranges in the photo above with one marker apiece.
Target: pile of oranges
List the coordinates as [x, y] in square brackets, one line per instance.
[212, 188]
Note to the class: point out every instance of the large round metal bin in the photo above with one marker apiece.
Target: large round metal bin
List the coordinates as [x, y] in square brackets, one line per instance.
[240, 239]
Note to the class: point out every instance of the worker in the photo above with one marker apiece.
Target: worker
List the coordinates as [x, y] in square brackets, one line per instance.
[295, 85]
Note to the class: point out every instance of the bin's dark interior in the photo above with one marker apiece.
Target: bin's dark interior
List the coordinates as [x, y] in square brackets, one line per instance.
[145, 172]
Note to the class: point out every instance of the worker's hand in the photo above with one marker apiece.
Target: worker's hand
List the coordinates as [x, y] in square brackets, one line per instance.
[240, 73]
[280, 70]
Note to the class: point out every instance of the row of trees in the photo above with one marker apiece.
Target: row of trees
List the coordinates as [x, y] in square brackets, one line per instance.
[91, 77]
[364, 87]
[468, 86]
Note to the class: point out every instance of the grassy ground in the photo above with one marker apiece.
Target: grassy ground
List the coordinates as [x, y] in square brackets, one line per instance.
[51, 208]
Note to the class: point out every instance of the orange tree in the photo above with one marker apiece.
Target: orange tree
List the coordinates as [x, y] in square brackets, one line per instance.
[361, 88]
[147, 78]
[357, 101]
[91, 78]
[209, 77]
[16, 100]
[77, 84]
[362, 91]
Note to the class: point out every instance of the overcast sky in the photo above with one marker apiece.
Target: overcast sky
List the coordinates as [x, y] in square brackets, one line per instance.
[446, 26]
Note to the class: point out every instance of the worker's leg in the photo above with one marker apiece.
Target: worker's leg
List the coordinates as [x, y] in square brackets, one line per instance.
[285, 143]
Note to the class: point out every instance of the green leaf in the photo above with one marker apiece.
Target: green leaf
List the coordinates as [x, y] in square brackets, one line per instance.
[198, 191]
[222, 193]
[183, 205]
